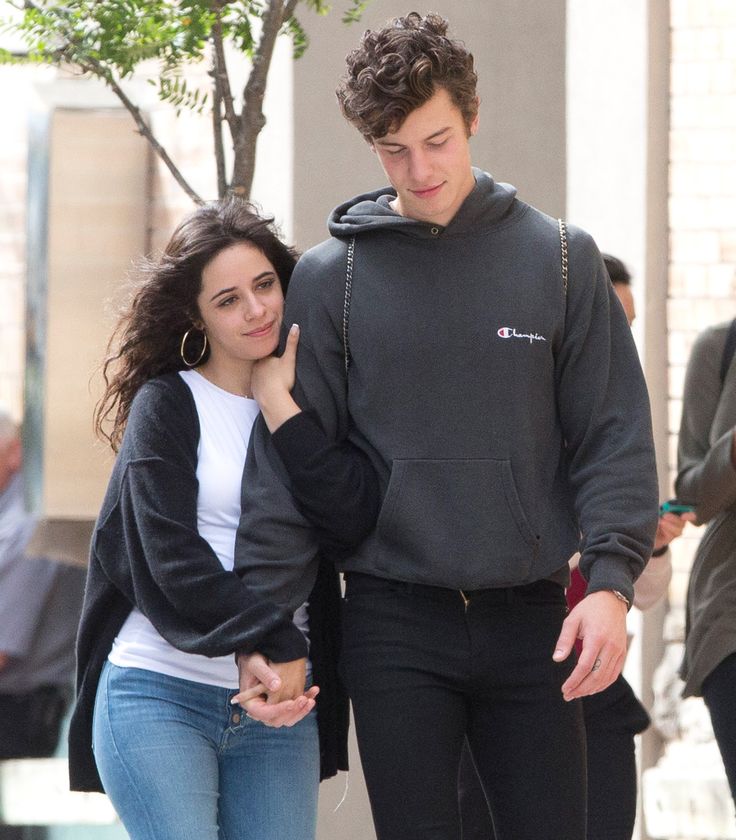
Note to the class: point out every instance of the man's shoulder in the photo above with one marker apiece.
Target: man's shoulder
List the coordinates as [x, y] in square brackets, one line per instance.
[329, 254]
[320, 273]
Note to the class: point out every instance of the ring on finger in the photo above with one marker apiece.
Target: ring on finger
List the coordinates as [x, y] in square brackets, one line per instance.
[596, 665]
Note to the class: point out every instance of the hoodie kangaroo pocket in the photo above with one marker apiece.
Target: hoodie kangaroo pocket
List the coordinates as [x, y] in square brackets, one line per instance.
[456, 523]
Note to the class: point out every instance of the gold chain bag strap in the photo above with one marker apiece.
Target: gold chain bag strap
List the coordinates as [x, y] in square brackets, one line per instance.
[349, 287]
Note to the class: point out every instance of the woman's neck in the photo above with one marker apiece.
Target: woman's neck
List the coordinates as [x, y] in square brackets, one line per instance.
[234, 378]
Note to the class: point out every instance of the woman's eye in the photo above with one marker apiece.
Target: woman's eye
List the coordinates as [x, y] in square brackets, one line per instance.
[227, 301]
[266, 284]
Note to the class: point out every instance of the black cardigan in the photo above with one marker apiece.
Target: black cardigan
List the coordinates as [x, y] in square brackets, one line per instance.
[146, 552]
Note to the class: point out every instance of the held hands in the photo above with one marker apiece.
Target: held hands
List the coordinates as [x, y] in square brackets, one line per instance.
[600, 621]
[272, 381]
[273, 692]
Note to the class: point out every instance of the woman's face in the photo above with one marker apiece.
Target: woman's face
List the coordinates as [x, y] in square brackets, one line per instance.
[241, 304]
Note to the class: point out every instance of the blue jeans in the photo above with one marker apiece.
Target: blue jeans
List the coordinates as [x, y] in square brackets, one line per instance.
[180, 763]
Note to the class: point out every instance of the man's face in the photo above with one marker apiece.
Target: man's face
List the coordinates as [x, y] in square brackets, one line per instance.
[625, 295]
[427, 160]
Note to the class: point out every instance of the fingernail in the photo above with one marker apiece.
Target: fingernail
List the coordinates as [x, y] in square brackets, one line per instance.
[274, 684]
[558, 654]
[234, 701]
[294, 328]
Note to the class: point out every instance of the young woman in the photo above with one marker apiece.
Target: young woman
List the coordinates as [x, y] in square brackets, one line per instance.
[155, 726]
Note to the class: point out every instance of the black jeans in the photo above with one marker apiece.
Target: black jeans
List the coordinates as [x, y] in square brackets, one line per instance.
[612, 719]
[719, 693]
[424, 671]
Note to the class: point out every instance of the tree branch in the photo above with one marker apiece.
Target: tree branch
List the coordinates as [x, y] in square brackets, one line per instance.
[289, 8]
[217, 131]
[252, 118]
[222, 79]
[97, 69]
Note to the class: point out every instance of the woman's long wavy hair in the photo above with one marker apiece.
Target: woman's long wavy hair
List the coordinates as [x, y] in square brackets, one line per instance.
[147, 339]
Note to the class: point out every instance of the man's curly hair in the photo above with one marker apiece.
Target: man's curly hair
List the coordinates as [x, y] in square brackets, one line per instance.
[398, 68]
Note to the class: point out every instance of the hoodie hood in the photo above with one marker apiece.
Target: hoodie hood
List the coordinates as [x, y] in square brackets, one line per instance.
[488, 203]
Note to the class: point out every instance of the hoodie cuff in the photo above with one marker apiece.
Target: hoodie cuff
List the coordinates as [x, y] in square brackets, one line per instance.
[298, 439]
[609, 574]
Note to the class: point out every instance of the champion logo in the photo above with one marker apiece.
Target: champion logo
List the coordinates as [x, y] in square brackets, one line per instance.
[510, 332]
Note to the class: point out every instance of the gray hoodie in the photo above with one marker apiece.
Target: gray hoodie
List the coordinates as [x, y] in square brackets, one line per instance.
[504, 416]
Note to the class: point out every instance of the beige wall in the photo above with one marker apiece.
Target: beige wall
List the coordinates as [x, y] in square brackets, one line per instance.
[95, 200]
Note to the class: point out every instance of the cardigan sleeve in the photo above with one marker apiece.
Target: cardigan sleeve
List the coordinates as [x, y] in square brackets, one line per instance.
[334, 483]
[706, 476]
[149, 546]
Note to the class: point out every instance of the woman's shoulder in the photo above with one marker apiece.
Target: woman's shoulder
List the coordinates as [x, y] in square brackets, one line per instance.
[162, 409]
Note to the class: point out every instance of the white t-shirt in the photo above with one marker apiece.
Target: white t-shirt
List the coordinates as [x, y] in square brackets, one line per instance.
[225, 424]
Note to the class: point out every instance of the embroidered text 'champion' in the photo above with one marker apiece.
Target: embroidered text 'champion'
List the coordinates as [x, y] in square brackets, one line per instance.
[510, 332]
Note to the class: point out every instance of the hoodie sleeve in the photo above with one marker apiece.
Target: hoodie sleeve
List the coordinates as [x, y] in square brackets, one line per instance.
[604, 409]
[297, 494]
[706, 476]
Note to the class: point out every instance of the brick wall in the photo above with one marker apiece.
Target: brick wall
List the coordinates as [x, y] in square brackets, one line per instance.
[702, 282]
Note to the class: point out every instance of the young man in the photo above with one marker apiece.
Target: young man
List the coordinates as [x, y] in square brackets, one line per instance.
[505, 413]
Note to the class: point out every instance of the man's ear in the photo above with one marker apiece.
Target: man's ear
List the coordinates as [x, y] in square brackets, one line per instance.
[476, 119]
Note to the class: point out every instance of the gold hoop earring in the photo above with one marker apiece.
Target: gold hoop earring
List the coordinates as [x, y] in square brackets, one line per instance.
[184, 341]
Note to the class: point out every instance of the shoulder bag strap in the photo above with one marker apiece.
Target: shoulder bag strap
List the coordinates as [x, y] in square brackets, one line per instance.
[346, 303]
[563, 250]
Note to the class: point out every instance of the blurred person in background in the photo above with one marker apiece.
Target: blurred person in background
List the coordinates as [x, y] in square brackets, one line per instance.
[706, 478]
[40, 602]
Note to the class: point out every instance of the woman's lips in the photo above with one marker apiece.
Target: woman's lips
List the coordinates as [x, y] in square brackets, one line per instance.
[261, 331]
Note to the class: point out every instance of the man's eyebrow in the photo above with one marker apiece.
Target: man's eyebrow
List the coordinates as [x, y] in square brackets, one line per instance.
[433, 136]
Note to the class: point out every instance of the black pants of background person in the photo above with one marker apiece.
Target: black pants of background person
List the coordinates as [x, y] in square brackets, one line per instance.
[29, 728]
[719, 693]
[423, 670]
[612, 719]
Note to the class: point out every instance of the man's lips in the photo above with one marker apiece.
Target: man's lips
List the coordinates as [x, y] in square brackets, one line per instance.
[261, 331]
[429, 192]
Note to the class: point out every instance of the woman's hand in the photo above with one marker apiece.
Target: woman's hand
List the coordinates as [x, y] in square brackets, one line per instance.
[273, 692]
[669, 527]
[272, 381]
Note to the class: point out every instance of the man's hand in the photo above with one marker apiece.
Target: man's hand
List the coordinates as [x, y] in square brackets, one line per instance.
[273, 693]
[600, 621]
